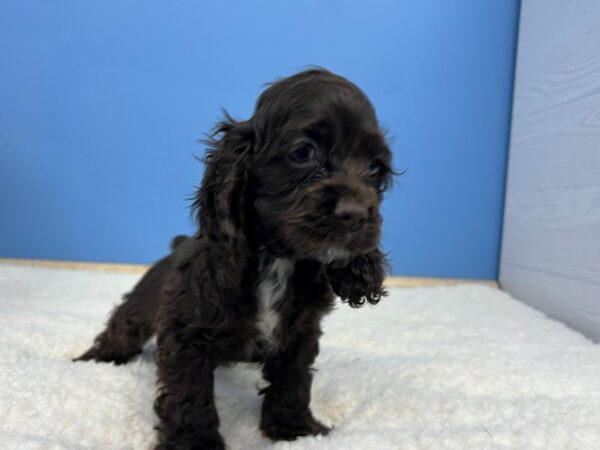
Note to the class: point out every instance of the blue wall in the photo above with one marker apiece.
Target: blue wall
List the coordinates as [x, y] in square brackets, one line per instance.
[101, 104]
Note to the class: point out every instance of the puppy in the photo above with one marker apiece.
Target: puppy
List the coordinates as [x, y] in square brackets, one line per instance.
[288, 215]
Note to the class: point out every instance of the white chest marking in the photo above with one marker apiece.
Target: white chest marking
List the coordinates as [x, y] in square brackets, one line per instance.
[271, 289]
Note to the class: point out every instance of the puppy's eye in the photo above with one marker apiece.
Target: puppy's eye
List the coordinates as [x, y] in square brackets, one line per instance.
[303, 152]
[374, 168]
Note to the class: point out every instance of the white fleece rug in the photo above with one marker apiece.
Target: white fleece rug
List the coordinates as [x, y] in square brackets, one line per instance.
[463, 367]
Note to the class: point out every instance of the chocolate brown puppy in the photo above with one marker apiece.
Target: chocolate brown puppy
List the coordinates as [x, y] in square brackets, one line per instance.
[288, 216]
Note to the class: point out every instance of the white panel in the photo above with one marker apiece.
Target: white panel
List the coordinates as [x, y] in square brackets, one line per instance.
[570, 300]
[551, 240]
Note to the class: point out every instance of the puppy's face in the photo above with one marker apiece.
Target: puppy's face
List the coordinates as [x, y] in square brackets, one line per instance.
[319, 169]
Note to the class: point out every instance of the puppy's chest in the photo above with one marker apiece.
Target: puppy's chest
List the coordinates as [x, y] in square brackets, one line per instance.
[273, 293]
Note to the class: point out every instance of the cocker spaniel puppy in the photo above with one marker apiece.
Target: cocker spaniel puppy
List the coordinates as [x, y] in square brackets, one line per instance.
[288, 214]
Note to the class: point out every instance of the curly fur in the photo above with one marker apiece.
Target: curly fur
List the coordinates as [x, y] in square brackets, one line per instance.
[288, 214]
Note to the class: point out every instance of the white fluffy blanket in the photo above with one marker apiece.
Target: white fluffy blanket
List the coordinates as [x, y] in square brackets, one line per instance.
[463, 367]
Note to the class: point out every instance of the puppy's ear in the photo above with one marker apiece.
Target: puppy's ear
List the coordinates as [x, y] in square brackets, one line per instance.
[361, 280]
[220, 200]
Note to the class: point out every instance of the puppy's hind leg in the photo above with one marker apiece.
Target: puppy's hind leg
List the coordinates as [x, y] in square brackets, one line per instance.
[129, 327]
[131, 323]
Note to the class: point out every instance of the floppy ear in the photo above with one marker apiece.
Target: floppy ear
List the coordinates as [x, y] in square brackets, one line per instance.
[361, 279]
[220, 200]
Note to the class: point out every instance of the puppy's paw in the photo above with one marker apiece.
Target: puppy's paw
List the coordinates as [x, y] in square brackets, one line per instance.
[194, 446]
[200, 440]
[104, 354]
[281, 429]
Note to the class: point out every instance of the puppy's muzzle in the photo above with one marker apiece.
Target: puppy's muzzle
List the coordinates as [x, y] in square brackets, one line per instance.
[351, 215]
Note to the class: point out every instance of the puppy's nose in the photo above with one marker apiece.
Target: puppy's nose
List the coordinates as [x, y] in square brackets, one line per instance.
[351, 215]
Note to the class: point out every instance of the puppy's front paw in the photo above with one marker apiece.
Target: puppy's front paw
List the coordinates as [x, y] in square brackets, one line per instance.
[203, 440]
[282, 429]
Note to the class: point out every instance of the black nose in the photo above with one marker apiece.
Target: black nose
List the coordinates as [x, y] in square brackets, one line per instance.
[351, 215]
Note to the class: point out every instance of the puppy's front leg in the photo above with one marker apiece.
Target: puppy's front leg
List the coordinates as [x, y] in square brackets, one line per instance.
[286, 413]
[185, 404]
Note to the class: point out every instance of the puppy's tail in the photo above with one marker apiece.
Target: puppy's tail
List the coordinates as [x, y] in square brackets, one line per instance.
[178, 240]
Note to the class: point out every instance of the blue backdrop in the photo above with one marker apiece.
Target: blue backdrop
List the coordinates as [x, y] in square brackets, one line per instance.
[101, 104]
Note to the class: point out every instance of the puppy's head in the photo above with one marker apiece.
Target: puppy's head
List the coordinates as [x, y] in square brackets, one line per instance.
[304, 177]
